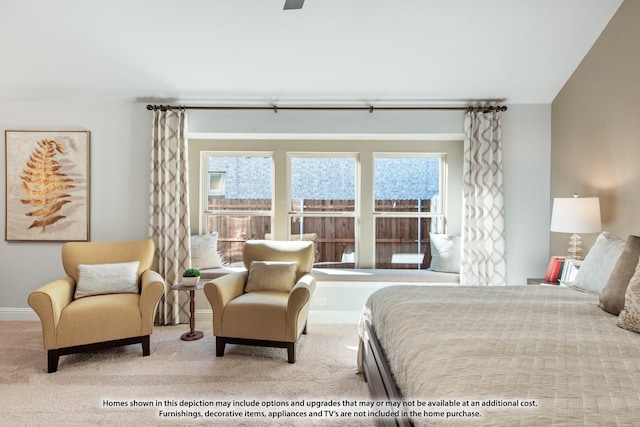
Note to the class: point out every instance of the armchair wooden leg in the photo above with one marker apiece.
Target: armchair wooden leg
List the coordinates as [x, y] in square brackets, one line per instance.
[146, 345]
[52, 361]
[220, 344]
[53, 356]
[291, 352]
[304, 331]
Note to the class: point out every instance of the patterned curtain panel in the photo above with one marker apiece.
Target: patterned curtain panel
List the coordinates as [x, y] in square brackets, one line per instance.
[169, 210]
[483, 249]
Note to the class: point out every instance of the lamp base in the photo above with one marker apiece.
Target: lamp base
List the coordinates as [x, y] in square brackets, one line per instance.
[575, 247]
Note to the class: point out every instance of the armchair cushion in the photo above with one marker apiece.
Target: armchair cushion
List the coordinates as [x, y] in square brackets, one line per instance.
[258, 315]
[100, 279]
[99, 318]
[277, 276]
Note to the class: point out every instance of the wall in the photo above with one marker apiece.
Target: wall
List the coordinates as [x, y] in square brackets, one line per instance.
[120, 140]
[526, 136]
[119, 168]
[596, 131]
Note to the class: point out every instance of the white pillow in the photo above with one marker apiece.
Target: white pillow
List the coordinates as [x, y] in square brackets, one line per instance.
[599, 264]
[99, 279]
[271, 276]
[445, 253]
[204, 251]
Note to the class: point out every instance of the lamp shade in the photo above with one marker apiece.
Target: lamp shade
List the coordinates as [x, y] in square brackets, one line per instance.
[576, 215]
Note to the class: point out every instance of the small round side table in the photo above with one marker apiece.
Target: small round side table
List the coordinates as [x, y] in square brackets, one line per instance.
[192, 335]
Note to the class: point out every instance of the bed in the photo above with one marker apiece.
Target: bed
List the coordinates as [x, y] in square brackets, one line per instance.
[512, 355]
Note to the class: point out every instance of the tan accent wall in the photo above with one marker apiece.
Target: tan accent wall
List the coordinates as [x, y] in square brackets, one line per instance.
[595, 129]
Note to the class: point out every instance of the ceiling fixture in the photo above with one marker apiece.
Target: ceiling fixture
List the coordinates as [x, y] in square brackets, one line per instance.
[293, 4]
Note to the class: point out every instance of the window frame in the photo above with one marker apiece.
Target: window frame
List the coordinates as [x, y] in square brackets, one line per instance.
[438, 216]
[442, 187]
[355, 214]
[204, 185]
[316, 154]
[451, 145]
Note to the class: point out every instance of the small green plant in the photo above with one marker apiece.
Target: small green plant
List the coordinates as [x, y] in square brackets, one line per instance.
[191, 272]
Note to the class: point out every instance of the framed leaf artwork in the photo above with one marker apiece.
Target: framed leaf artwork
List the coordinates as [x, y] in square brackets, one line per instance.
[47, 186]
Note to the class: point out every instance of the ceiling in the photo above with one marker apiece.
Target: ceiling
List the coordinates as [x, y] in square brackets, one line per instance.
[346, 51]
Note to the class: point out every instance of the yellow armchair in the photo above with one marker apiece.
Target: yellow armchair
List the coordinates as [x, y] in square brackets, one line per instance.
[72, 323]
[264, 317]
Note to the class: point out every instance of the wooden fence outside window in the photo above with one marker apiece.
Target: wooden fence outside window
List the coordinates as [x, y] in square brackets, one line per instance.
[335, 235]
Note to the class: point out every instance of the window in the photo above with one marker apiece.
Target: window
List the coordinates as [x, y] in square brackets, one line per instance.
[238, 199]
[366, 204]
[216, 183]
[324, 205]
[407, 191]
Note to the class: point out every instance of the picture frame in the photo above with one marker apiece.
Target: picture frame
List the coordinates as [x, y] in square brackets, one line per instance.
[570, 270]
[47, 183]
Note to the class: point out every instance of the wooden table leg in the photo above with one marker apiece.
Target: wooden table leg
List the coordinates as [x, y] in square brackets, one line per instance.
[192, 335]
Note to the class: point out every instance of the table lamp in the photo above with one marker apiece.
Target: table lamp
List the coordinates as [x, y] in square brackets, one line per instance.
[576, 215]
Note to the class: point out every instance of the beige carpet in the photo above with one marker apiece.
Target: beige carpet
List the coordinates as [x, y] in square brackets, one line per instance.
[87, 387]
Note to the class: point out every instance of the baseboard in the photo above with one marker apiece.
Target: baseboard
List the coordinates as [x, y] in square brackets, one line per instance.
[315, 316]
[333, 316]
[15, 313]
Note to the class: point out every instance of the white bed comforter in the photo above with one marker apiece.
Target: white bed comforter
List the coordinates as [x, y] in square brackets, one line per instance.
[544, 345]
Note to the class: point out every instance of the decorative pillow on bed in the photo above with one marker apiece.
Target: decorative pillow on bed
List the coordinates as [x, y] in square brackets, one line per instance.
[612, 296]
[204, 251]
[630, 315]
[599, 263]
[99, 279]
[445, 253]
[271, 276]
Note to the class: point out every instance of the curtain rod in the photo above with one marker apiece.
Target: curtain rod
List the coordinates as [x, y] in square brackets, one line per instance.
[370, 109]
